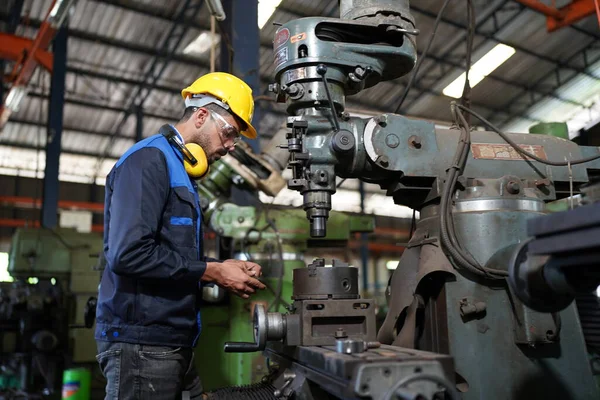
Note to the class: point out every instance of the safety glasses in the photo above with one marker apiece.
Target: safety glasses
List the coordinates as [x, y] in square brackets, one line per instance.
[228, 131]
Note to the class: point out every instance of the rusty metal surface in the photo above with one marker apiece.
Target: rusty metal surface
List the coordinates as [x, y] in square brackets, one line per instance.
[486, 151]
[419, 263]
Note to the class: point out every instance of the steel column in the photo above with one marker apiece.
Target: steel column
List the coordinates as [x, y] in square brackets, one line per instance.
[241, 28]
[11, 27]
[139, 123]
[364, 249]
[55, 127]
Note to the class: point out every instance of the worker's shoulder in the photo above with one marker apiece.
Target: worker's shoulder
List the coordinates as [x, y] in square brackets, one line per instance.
[151, 146]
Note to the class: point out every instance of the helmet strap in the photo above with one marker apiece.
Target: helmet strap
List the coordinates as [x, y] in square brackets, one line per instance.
[201, 100]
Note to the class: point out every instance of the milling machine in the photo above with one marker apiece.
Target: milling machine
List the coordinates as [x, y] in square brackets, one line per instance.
[277, 238]
[475, 190]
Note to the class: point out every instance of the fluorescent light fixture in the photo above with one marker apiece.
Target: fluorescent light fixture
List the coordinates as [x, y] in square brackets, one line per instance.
[14, 97]
[266, 8]
[392, 265]
[4, 275]
[60, 11]
[202, 43]
[482, 68]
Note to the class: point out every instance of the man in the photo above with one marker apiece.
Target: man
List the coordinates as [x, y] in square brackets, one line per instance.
[148, 317]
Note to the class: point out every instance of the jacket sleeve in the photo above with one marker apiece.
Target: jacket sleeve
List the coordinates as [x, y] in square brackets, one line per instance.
[140, 190]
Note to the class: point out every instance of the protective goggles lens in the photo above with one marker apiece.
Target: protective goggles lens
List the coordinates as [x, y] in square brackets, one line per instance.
[228, 131]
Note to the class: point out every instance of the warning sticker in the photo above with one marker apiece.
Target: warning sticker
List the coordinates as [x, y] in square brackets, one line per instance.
[499, 151]
[281, 56]
[298, 37]
[295, 74]
[281, 37]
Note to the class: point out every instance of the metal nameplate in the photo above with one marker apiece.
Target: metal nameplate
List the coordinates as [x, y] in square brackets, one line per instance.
[504, 151]
[295, 74]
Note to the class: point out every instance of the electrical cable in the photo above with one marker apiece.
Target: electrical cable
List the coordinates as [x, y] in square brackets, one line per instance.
[423, 56]
[413, 224]
[448, 386]
[524, 152]
[448, 236]
[466, 94]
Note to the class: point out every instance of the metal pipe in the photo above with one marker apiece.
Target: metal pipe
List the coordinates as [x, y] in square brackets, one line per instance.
[30, 202]
[24, 223]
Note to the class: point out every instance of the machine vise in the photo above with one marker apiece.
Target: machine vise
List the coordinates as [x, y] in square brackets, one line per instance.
[326, 347]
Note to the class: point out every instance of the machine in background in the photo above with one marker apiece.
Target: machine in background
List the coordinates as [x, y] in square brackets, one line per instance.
[475, 191]
[46, 313]
[274, 237]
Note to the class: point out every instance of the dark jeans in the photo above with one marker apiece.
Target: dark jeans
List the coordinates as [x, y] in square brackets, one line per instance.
[135, 371]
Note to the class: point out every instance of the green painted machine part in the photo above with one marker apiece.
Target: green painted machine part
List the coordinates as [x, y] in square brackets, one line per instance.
[48, 311]
[558, 129]
[69, 257]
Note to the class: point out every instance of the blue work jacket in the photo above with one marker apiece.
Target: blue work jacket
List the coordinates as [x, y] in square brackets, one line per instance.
[150, 288]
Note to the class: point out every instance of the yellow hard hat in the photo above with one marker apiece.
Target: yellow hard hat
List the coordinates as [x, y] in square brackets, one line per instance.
[226, 90]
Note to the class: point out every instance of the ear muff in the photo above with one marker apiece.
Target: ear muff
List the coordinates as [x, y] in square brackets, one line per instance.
[200, 168]
[194, 157]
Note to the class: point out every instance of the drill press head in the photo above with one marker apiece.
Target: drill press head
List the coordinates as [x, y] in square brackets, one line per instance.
[318, 62]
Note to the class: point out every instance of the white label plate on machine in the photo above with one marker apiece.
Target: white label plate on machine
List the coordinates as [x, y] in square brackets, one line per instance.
[500, 151]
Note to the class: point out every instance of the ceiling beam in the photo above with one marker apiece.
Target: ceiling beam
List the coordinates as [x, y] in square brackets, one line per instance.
[555, 72]
[192, 61]
[106, 107]
[492, 37]
[155, 13]
[67, 129]
[155, 71]
[28, 146]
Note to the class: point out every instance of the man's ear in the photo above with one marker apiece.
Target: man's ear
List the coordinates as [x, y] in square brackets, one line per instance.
[200, 117]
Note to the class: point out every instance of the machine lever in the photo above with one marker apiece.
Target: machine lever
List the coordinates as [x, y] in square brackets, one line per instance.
[322, 70]
[241, 347]
[260, 334]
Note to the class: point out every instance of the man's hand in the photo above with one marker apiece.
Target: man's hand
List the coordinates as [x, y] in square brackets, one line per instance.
[236, 276]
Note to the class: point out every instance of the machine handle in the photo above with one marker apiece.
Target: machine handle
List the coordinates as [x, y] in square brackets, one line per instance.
[260, 334]
[241, 347]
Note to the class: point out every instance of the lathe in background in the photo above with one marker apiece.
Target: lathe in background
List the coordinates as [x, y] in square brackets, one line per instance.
[46, 313]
